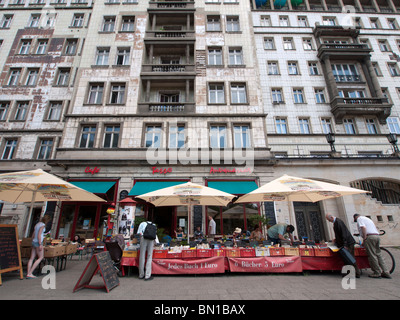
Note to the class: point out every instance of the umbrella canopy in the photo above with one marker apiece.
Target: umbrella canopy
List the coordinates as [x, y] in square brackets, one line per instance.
[288, 188]
[38, 185]
[187, 194]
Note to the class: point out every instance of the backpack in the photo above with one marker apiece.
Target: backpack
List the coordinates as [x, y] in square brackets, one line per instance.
[150, 232]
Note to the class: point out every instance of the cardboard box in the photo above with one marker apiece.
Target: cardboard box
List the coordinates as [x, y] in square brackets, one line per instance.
[26, 252]
[26, 242]
[232, 252]
[292, 251]
[307, 252]
[131, 253]
[54, 251]
[71, 248]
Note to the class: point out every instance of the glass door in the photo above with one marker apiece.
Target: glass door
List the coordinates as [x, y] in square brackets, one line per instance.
[86, 222]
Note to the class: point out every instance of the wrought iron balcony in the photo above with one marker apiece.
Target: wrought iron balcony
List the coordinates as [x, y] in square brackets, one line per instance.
[166, 108]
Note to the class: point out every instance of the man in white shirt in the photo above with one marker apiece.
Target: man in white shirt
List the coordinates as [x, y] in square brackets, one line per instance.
[371, 242]
[145, 245]
[211, 227]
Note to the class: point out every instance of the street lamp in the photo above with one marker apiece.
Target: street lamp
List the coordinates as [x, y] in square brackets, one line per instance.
[330, 137]
[393, 141]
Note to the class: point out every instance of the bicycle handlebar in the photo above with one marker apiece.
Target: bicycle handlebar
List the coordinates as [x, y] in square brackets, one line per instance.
[382, 232]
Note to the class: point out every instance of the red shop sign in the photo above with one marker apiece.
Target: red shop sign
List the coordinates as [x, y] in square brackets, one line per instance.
[92, 171]
[161, 170]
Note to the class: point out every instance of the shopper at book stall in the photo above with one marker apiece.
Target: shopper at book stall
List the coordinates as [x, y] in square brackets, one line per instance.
[277, 232]
[256, 234]
[371, 242]
[148, 235]
[343, 238]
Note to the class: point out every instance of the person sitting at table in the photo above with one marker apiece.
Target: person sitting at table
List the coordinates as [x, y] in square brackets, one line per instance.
[179, 234]
[198, 234]
[77, 239]
[256, 233]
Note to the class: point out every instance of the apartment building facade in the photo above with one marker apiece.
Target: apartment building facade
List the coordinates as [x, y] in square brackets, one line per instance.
[122, 97]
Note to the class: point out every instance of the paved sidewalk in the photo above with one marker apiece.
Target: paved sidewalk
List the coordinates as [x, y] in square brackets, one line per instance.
[229, 286]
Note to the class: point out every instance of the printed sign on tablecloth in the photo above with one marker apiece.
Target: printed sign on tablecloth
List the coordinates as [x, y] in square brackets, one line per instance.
[266, 264]
[188, 266]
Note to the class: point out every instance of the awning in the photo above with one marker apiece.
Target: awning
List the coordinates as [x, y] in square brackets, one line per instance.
[101, 187]
[142, 187]
[234, 187]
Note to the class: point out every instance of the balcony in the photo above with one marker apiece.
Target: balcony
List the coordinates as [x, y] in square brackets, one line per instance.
[171, 5]
[168, 69]
[342, 107]
[344, 51]
[347, 78]
[166, 108]
[168, 35]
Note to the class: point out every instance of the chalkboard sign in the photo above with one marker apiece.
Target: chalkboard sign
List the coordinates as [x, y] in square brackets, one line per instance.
[99, 262]
[10, 255]
[270, 212]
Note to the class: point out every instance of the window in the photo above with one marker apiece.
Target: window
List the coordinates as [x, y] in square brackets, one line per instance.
[10, 148]
[384, 46]
[216, 93]
[298, 96]
[313, 68]
[304, 126]
[232, 24]
[393, 124]
[288, 44]
[117, 94]
[213, 23]
[21, 111]
[269, 44]
[377, 69]
[128, 24]
[241, 136]
[235, 56]
[238, 93]
[176, 136]
[280, 124]
[87, 136]
[95, 93]
[392, 24]
[34, 21]
[284, 21]
[25, 46]
[292, 68]
[70, 46]
[394, 69]
[13, 78]
[345, 72]
[41, 46]
[108, 24]
[326, 125]
[307, 44]
[302, 21]
[6, 21]
[215, 57]
[349, 126]
[32, 77]
[45, 148]
[277, 96]
[374, 23]
[63, 77]
[319, 95]
[218, 136]
[4, 107]
[111, 136]
[153, 136]
[123, 55]
[77, 20]
[265, 21]
[273, 68]
[102, 56]
[329, 21]
[169, 96]
[371, 126]
[54, 112]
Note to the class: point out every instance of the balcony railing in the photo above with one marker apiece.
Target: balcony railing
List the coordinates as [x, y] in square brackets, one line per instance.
[165, 108]
[171, 5]
[168, 35]
[170, 68]
[348, 78]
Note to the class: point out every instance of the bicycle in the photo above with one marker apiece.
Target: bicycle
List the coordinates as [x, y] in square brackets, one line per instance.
[386, 254]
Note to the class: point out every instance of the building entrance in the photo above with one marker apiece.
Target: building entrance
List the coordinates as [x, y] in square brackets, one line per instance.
[309, 221]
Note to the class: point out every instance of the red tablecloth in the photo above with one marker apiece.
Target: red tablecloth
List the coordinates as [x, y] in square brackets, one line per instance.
[278, 264]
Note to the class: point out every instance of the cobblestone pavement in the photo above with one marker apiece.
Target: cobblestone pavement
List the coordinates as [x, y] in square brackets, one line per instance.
[229, 286]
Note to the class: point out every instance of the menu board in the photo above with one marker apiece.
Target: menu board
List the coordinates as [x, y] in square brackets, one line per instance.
[10, 255]
[99, 262]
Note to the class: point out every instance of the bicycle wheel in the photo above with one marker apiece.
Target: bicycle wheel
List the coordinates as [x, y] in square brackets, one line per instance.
[388, 259]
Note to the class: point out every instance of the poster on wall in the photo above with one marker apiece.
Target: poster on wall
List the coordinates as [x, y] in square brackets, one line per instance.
[126, 221]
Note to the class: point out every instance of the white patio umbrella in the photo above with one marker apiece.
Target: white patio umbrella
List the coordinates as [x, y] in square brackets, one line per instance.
[187, 194]
[38, 186]
[288, 188]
